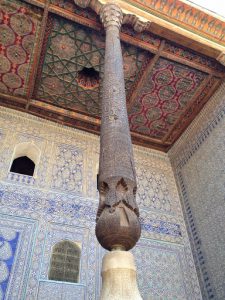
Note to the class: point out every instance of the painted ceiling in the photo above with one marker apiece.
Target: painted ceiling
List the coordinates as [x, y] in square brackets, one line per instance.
[52, 66]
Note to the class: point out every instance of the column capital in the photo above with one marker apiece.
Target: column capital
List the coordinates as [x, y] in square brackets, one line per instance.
[111, 15]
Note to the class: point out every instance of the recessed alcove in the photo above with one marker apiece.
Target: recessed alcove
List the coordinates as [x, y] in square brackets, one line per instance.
[23, 165]
[25, 159]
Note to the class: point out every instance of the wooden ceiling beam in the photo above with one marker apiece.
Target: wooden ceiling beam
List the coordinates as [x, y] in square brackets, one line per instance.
[38, 3]
[12, 98]
[142, 80]
[192, 64]
[148, 144]
[153, 49]
[209, 37]
[148, 139]
[37, 55]
[92, 124]
[134, 41]
[86, 118]
[125, 37]
[74, 17]
[72, 119]
[65, 112]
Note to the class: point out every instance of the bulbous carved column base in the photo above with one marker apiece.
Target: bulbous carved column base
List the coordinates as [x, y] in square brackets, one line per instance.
[119, 280]
[118, 226]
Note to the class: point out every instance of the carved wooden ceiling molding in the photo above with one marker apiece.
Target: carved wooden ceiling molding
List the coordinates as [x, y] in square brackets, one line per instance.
[185, 15]
[186, 19]
[174, 20]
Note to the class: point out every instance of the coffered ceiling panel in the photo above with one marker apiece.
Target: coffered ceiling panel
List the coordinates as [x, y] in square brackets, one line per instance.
[167, 91]
[73, 67]
[51, 65]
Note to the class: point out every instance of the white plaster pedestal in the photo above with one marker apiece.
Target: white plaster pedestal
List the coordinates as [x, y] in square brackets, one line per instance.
[119, 280]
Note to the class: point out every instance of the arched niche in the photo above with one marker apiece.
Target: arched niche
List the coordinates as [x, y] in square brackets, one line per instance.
[26, 153]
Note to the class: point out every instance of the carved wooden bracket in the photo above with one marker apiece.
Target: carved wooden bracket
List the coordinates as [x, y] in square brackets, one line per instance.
[136, 23]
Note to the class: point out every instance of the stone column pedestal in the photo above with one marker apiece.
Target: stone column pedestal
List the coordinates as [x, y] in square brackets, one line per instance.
[119, 280]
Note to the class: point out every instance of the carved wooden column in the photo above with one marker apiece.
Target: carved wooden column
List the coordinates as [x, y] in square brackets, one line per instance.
[117, 225]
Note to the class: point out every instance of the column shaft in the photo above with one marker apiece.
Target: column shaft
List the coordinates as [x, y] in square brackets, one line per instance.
[117, 217]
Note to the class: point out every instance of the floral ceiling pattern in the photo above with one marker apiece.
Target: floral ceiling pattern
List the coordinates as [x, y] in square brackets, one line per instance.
[19, 31]
[168, 90]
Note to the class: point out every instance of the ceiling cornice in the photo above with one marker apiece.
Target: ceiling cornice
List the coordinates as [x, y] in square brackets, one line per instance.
[175, 20]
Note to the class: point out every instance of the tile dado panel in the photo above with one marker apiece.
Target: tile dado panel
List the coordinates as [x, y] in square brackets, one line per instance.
[167, 274]
[61, 202]
[199, 163]
[16, 246]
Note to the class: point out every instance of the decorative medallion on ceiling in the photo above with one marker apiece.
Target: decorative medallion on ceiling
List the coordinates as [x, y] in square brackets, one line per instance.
[88, 78]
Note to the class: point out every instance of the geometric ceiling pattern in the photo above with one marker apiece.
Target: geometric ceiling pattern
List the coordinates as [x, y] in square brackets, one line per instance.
[52, 66]
[73, 52]
[70, 50]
